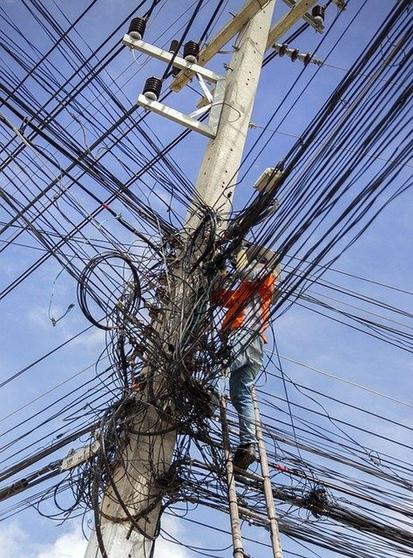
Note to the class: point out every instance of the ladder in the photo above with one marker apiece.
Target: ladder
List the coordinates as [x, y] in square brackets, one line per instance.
[234, 512]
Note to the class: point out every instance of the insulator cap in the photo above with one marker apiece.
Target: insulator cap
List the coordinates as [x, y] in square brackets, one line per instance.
[174, 49]
[137, 28]
[294, 55]
[283, 49]
[318, 12]
[152, 89]
[191, 51]
[174, 46]
[307, 59]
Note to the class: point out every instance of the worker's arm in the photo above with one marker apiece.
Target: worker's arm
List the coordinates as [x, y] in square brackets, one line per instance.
[223, 297]
[267, 287]
[276, 274]
[274, 295]
[220, 295]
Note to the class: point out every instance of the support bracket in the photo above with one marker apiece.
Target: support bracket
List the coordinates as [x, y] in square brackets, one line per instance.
[215, 98]
[307, 17]
[76, 457]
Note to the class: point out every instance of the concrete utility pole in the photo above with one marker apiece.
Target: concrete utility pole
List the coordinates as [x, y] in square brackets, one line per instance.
[219, 169]
[148, 456]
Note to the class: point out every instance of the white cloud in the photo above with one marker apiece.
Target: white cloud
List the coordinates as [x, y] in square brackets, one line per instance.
[15, 542]
[164, 548]
[12, 540]
[171, 526]
[68, 545]
[92, 339]
[37, 316]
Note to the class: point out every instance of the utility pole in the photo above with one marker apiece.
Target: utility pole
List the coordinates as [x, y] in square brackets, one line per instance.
[219, 169]
[148, 453]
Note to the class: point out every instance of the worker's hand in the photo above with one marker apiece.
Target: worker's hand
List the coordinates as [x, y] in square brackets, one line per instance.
[274, 297]
[217, 273]
[220, 265]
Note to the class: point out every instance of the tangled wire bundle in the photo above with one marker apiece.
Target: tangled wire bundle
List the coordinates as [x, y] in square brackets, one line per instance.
[107, 287]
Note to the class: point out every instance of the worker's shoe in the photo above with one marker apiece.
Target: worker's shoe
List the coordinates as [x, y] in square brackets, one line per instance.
[244, 456]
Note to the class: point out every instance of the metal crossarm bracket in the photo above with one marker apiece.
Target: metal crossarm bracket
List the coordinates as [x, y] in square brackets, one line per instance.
[307, 17]
[341, 4]
[167, 56]
[298, 10]
[203, 74]
[176, 116]
[216, 43]
[76, 457]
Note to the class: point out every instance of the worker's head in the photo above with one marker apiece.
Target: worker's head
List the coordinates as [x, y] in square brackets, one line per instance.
[241, 260]
[255, 261]
[249, 266]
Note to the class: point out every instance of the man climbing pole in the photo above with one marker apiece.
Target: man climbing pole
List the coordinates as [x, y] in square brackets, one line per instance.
[243, 328]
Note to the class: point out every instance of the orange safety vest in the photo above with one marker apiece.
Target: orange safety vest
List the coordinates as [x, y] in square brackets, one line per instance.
[237, 300]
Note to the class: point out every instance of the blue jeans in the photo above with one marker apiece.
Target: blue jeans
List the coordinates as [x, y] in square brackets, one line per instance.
[247, 359]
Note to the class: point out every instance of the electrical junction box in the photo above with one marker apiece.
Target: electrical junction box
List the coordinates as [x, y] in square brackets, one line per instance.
[268, 179]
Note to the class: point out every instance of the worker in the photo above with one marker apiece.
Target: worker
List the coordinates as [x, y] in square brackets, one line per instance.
[244, 325]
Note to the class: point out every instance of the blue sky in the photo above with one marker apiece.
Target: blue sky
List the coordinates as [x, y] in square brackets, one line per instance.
[382, 255]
